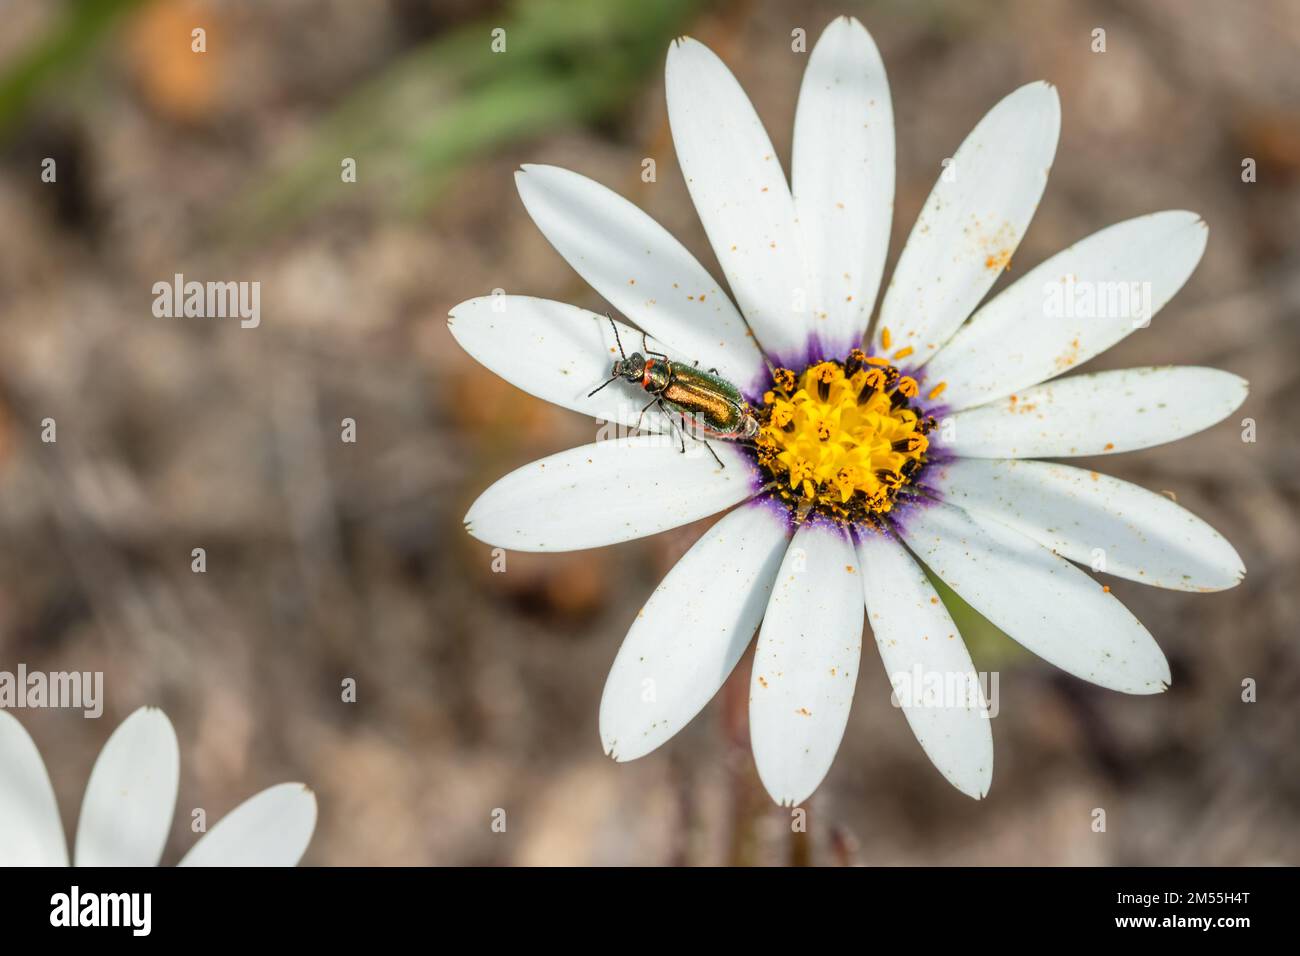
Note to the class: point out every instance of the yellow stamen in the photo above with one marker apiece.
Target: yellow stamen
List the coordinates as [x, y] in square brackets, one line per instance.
[783, 379]
[884, 337]
[937, 390]
[838, 444]
[903, 352]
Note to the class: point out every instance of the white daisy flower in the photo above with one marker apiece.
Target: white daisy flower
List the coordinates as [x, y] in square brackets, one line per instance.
[864, 465]
[126, 812]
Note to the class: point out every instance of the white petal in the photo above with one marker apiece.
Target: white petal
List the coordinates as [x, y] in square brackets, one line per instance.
[1100, 414]
[126, 812]
[692, 631]
[555, 351]
[31, 833]
[608, 492]
[1038, 598]
[742, 197]
[806, 663]
[1042, 325]
[272, 828]
[843, 178]
[641, 270]
[972, 223]
[933, 677]
[1090, 517]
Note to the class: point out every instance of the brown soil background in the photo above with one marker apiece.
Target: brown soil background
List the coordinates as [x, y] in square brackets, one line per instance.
[478, 690]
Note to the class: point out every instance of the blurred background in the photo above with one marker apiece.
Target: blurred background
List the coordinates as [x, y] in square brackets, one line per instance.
[325, 560]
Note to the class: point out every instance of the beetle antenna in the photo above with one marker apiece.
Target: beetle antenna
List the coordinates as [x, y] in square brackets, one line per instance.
[599, 387]
[616, 339]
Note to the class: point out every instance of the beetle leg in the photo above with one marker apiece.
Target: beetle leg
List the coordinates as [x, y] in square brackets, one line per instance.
[681, 435]
[695, 433]
[663, 410]
[653, 401]
[682, 430]
[645, 347]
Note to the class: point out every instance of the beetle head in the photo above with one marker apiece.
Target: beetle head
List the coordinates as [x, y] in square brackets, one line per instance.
[631, 369]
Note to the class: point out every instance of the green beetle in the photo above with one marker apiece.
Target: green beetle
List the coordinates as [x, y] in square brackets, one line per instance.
[713, 403]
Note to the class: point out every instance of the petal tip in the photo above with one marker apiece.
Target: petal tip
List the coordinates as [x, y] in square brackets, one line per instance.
[974, 785]
[787, 796]
[153, 718]
[460, 307]
[1044, 94]
[845, 21]
[302, 792]
[687, 46]
[530, 173]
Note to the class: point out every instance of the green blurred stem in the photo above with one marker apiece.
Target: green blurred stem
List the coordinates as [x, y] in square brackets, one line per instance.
[62, 50]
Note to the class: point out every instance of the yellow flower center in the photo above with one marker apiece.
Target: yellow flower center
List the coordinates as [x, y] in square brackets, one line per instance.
[841, 439]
